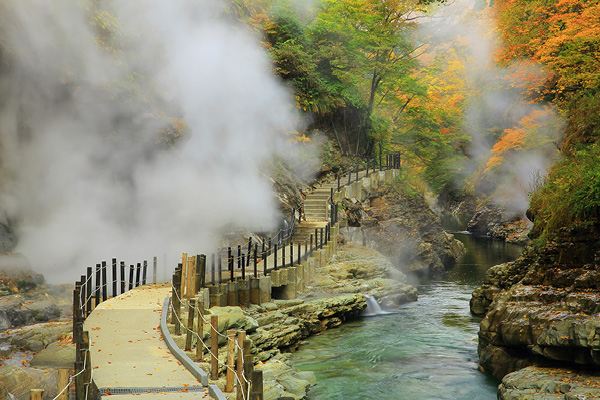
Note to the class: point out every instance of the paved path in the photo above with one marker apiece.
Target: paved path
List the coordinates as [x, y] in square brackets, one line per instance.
[127, 349]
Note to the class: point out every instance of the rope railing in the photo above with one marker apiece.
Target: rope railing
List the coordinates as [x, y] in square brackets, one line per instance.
[193, 310]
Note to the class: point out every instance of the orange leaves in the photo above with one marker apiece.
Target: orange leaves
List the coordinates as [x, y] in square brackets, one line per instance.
[534, 130]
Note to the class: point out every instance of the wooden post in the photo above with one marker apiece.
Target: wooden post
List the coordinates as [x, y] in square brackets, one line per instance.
[63, 382]
[76, 301]
[122, 277]
[219, 270]
[104, 289]
[137, 274]
[283, 255]
[190, 324]
[155, 269]
[190, 291]
[291, 253]
[239, 256]
[36, 394]
[256, 261]
[230, 263]
[243, 260]
[212, 269]
[264, 256]
[86, 363]
[214, 347]
[321, 246]
[144, 272]
[201, 272]
[79, 388]
[183, 274]
[241, 336]
[230, 361]
[248, 366]
[200, 331]
[88, 292]
[256, 390]
[97, 285]
[176, 302]
[275, 258]
[299, 253]
[131, 273]
[114, 277]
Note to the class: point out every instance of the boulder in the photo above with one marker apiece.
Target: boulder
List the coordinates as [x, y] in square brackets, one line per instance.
[18, 381]
[55, 355]
[281, 379]
[233, 318]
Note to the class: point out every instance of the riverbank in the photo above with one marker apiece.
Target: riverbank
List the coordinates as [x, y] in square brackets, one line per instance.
[542, 311]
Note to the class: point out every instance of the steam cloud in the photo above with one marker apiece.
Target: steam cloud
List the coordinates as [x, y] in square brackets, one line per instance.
[501, 104]
[82, 173]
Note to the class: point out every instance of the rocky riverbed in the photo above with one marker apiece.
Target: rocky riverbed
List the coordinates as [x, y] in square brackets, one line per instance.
[543, 310]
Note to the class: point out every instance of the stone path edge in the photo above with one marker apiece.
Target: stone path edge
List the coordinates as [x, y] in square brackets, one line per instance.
[191, 366]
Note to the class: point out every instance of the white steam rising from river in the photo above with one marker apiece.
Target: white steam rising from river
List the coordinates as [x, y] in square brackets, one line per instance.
[83, 171]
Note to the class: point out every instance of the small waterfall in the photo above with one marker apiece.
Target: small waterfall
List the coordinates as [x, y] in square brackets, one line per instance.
[373, 308]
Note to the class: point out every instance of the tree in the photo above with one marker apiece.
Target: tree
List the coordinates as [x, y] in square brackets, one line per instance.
[364, 52]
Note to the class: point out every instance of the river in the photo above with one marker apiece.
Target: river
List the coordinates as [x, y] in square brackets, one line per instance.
[427, 350]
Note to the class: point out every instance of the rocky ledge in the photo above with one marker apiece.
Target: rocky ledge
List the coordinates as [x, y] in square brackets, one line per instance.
[403, 228]
[543, 309]
[495, 222]
[537, 383]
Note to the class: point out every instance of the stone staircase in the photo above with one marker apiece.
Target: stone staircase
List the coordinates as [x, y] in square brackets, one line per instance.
[316, 213]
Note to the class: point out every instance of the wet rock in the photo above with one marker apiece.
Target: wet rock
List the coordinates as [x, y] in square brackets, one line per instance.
[45, 303]
[549, 383]
[36, 337]
[281, 379]
[233, 318]
[56, 356]
[485, 217]
[357, 269]
[285, 327]
[492, 221]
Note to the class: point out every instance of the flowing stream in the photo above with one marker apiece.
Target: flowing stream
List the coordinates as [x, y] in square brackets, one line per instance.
[427, 350]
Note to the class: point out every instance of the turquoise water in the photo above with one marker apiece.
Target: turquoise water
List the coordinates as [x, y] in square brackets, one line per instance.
[428, 350]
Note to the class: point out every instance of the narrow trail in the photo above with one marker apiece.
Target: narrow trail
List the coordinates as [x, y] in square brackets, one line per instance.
[128, 351]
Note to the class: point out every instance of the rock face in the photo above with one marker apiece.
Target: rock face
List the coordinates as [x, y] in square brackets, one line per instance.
[492, 221]
[19, 380]
[405, 230]
[544, 308]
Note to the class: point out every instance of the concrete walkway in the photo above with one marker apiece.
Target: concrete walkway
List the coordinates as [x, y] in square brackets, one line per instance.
[128, 353]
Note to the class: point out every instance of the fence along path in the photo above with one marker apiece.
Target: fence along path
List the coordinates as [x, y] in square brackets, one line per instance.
[121, 350]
